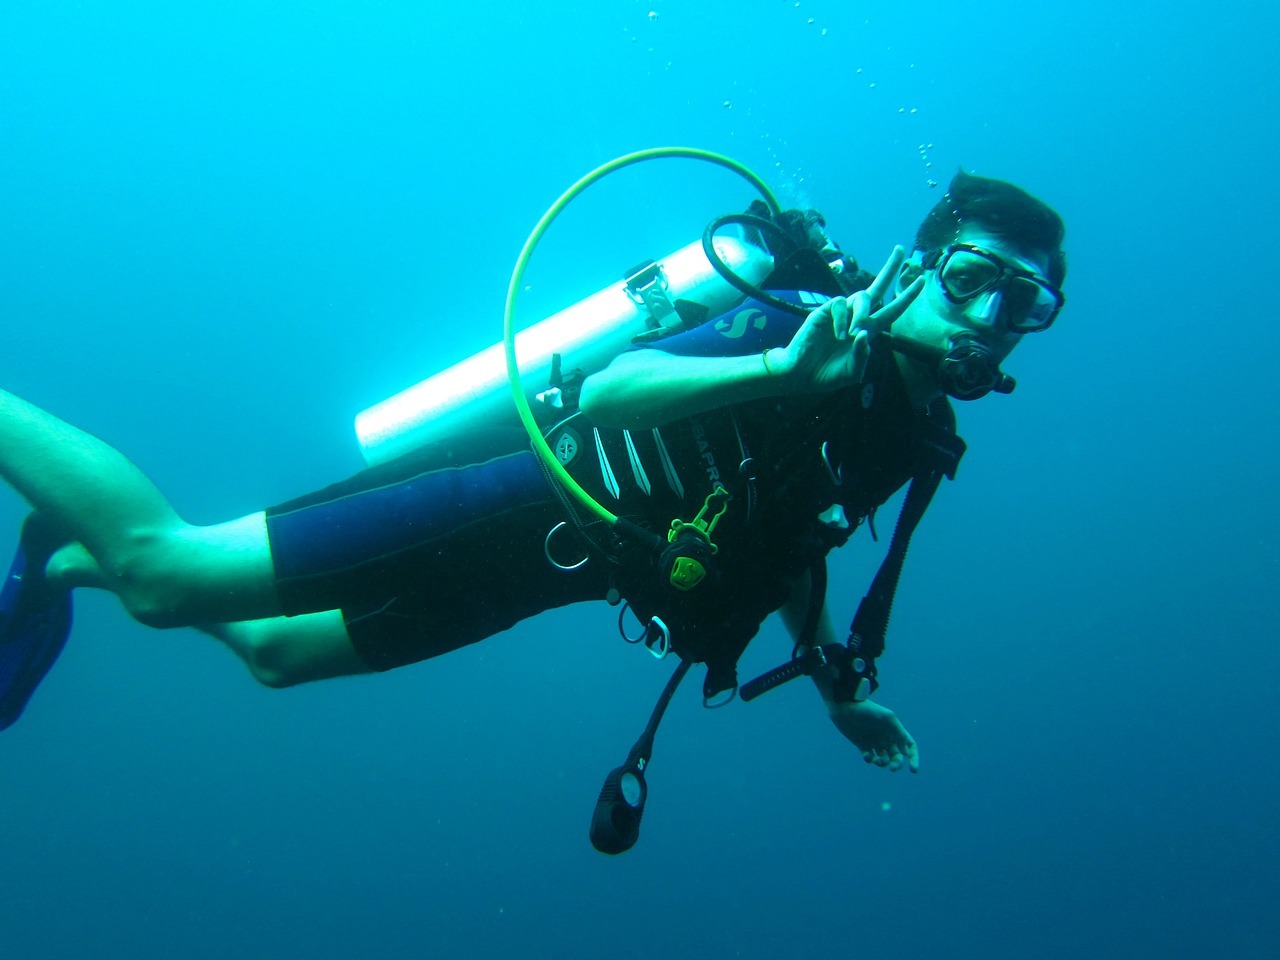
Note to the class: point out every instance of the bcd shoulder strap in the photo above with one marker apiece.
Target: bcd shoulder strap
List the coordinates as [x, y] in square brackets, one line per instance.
[853, 665]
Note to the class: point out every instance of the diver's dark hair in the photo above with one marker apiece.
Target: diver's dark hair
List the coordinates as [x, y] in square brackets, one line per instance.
[1002, 208]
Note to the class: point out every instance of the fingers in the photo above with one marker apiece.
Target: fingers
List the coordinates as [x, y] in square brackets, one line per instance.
[861, 354]
[892, 310]
[840, 315]
[880, 286]
[850, 314]
[895, 757]
[884, 758]
[868, 309]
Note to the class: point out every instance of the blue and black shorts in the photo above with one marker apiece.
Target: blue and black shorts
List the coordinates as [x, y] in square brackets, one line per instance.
[423, 558]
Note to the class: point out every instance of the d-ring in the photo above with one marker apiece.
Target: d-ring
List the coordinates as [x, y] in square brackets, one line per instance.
[835, 473]
[722, 699]
[546, 549]
[644, 627]
[660, 645]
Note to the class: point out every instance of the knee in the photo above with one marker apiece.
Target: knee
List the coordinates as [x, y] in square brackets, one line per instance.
[270, 674]
[154, 602]
[271, 655]
[262, 651]
[150, 575]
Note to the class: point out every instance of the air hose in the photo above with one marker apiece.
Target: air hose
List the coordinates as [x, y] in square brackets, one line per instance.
[540, 445]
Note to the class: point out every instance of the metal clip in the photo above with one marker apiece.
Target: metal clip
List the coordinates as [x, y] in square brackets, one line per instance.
[546, 549]
[658, 638]
[834, 517]
[723, 699]
[655, 635]
[647, 286]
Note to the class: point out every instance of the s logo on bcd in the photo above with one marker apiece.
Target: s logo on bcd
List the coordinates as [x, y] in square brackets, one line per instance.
[735, 326]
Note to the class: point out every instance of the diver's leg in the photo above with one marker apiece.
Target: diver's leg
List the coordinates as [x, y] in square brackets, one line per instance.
[283, 651]
[279, 651]
[166, 571]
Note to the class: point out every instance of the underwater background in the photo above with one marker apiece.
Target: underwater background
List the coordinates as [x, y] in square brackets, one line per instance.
[227, 227]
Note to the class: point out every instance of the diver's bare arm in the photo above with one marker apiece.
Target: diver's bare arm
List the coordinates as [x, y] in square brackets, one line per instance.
[875, 730]
[166, 571]
[647, 388]
[793, 613]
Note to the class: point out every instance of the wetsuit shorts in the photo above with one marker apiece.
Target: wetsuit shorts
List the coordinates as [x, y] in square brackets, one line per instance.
[422, 559]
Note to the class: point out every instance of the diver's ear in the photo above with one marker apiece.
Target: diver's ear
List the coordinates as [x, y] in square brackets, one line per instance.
[908, 273]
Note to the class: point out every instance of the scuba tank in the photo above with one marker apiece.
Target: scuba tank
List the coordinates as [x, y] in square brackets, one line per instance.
[655, 298]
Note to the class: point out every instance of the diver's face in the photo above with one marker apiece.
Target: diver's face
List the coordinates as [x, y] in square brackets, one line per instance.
[935, 319]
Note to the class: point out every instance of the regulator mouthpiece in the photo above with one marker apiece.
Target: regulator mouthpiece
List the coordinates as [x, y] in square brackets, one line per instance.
[967, 371]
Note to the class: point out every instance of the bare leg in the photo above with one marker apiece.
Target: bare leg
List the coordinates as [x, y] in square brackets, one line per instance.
[283, 651]
[123, 536]
[279, 651]
[166, 571]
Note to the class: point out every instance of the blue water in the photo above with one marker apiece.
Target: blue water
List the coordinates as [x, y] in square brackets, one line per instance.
[227, 227]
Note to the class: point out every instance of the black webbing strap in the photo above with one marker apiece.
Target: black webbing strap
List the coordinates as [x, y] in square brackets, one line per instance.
[871, 622]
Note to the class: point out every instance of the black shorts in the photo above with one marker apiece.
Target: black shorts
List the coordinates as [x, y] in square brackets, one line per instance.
[422, 559]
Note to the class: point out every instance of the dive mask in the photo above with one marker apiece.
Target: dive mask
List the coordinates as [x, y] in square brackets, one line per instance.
[1023, 302]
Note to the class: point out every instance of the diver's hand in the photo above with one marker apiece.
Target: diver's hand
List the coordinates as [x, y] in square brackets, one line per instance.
[878, 733]
[830, 349]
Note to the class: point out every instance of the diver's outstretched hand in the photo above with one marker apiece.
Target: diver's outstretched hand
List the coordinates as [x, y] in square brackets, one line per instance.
[830, 349]
[878, 733]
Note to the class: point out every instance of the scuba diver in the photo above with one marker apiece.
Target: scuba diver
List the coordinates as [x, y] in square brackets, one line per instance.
[736, 454]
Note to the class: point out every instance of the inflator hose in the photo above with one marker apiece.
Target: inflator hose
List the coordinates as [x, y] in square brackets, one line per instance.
[540, 445]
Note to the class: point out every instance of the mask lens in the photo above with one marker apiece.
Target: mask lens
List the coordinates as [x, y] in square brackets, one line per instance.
[967, 274]
[1029, 305]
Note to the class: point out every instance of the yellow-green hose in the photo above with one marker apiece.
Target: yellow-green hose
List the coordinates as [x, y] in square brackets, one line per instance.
[540, 445]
